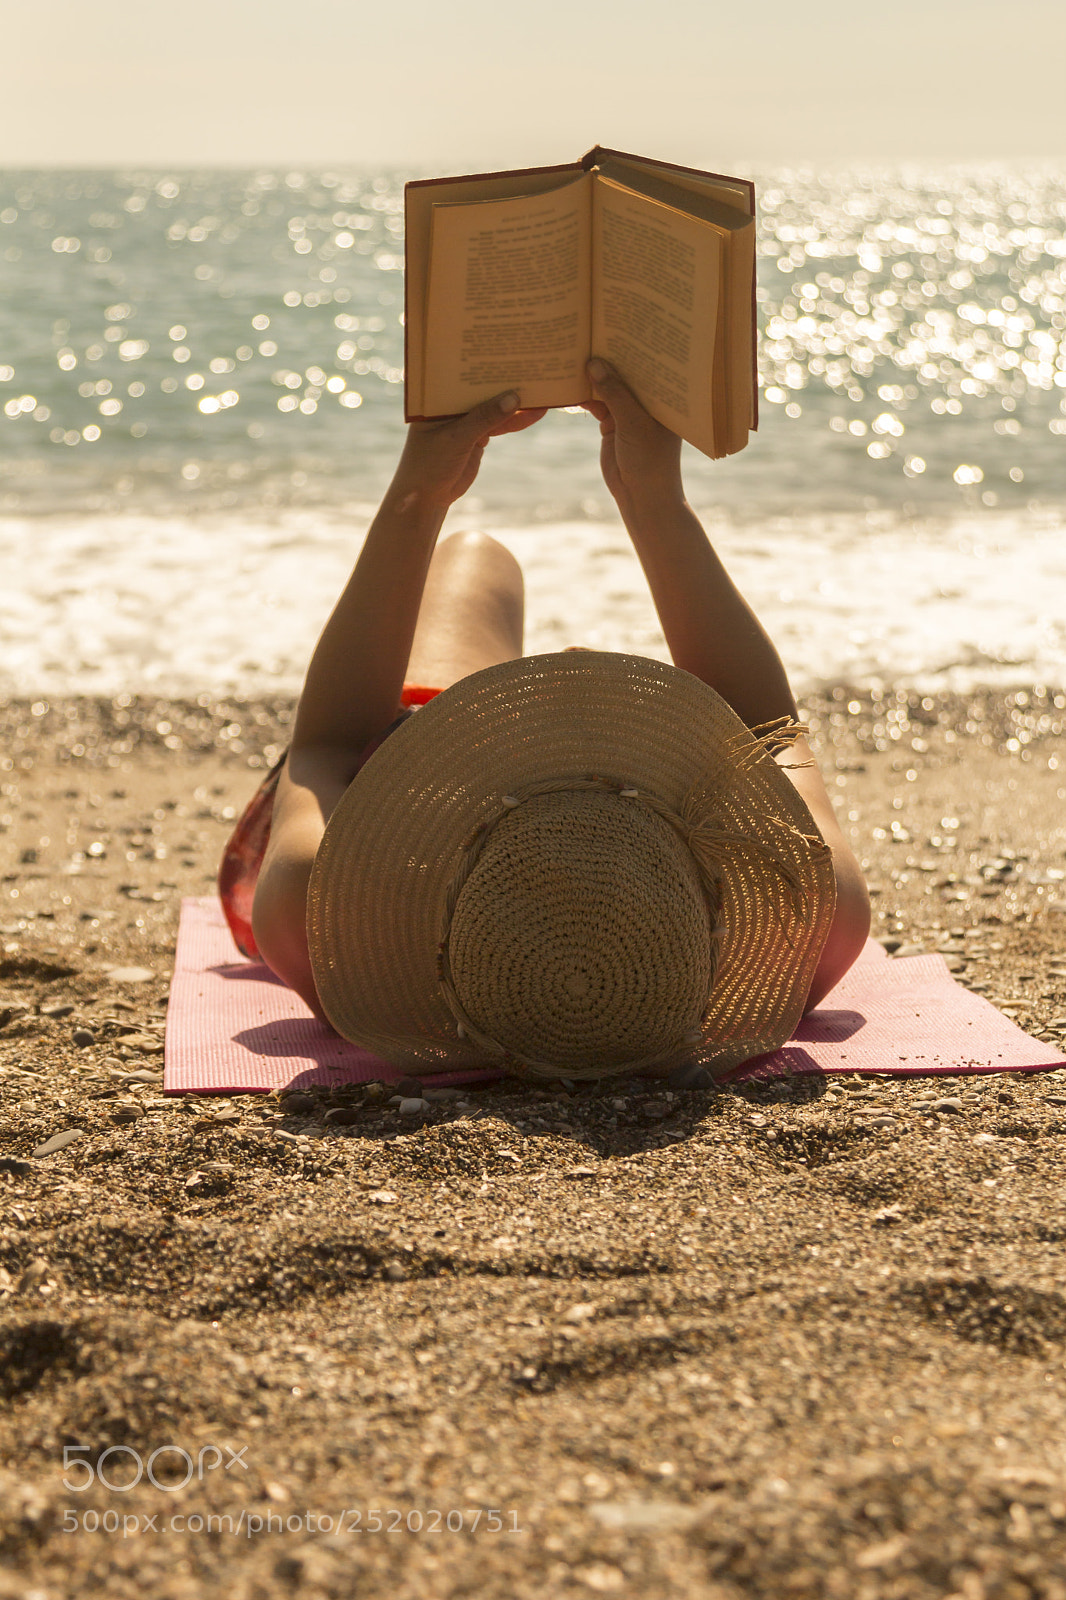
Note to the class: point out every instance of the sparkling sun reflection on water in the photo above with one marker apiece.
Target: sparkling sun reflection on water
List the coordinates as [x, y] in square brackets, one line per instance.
[224, 340]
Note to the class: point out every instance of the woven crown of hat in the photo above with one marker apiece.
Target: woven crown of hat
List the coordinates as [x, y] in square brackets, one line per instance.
[579, 936]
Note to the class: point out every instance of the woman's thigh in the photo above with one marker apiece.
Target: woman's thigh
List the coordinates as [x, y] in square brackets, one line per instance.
[472, 611]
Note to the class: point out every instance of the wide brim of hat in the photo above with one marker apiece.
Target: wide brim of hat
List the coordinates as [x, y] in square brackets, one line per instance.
[395, 841]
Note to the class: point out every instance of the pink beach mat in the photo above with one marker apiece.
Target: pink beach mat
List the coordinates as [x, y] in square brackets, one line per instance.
[232, 1027]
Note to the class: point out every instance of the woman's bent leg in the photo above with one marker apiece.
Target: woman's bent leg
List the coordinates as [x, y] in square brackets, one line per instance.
[472, 611]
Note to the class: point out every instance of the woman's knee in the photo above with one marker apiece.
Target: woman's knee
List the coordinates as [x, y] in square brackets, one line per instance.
[476, 572]
[474, 549]
[472, 612]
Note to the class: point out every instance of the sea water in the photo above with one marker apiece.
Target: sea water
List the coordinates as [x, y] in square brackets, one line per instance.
[201, 402]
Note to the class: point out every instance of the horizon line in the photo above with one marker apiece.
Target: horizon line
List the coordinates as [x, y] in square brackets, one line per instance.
[325, 166]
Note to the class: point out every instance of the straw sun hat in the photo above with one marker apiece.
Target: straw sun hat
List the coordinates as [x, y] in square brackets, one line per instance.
[572, 865]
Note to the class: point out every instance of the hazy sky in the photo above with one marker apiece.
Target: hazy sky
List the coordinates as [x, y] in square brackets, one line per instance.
[439, 84]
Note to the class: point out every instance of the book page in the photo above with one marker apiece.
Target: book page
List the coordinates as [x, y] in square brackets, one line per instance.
[508, 301]
[656, 284]
[419, 199]
[736, 391]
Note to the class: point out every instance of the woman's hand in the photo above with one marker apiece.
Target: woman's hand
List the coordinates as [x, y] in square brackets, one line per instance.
[638, 456]
[441, 459]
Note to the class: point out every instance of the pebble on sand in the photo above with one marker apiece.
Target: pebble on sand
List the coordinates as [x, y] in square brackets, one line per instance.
[146, 1044]
[297, 1103]
[58, 1141]
[641, 1516]
[34, 1274]
[130, 975]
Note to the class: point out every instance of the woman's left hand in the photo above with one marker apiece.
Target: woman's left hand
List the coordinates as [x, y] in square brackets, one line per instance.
[441, 459]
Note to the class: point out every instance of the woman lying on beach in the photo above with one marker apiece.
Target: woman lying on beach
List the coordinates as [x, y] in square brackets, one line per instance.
[572, 865]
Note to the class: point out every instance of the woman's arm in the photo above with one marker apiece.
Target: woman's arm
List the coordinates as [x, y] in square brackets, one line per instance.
[355, 678]
[353, 684]
[711, 630]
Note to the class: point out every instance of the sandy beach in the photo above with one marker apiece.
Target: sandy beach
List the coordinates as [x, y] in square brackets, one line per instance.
[800, 1340]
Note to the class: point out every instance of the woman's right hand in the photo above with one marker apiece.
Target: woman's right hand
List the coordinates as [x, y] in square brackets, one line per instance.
[440, 459]
[638, 456]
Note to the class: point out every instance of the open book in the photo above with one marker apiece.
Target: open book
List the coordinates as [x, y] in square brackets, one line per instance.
[514, 279]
